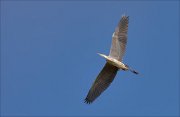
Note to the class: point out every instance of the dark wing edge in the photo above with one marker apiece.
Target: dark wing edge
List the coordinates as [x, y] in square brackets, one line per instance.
[103, 80]
[119, 39]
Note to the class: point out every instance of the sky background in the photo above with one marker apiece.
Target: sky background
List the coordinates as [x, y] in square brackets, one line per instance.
[49, 58]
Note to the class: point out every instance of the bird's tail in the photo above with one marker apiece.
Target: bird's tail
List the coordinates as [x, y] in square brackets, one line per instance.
[132, 70]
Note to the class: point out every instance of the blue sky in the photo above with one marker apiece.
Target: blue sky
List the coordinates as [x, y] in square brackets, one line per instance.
[49, 60]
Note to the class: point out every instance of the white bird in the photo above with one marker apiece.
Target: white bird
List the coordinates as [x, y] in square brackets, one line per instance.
[113, 61]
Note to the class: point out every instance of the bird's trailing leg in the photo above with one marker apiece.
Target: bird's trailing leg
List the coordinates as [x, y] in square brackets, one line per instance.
[132, 70]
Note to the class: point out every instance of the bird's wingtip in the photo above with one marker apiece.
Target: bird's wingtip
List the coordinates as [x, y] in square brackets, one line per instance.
[125, 16]
[87, 101]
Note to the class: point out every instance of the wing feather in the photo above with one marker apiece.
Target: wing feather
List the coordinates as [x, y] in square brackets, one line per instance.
[103, 80]
[119, 39]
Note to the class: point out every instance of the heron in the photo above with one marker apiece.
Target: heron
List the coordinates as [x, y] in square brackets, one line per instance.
[114, 62]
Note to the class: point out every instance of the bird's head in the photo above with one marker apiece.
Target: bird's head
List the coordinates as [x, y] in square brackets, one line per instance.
[106, 57]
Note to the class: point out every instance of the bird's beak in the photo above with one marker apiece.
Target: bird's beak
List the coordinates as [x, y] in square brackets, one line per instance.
[102, 55]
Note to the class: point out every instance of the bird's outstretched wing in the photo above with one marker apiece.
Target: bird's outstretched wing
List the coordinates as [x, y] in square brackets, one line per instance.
[103, 80]
[119, 39]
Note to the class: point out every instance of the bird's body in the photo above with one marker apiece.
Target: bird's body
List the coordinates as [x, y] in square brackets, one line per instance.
[114, 61]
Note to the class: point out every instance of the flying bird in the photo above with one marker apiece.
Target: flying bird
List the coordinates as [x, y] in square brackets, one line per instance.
[113, 61]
